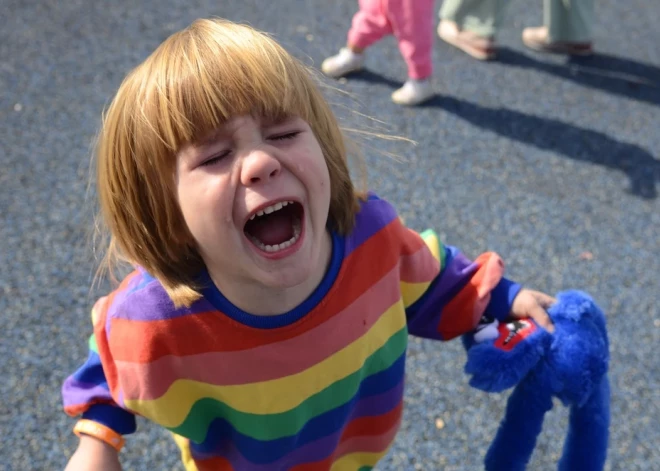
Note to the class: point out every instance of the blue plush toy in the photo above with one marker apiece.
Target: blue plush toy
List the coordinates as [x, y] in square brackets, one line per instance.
[570, 364]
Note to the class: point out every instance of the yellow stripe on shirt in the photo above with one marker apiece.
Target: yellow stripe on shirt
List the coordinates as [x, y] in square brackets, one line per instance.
[278, 395]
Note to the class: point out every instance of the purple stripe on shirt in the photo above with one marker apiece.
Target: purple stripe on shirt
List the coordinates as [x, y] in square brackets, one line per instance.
[76, 392]
[317, 450]
[424, 317]
[374, 215]
[151, 303]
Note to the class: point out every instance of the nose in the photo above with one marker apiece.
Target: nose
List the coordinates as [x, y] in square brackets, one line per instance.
[259, 166]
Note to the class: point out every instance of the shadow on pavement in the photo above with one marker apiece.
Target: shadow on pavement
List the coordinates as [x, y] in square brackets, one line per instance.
[569, 140]
[366, 75]
[612, 74]
[640, 81]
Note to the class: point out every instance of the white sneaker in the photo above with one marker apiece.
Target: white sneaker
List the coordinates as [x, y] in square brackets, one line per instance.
[413, 92]
[343, 63]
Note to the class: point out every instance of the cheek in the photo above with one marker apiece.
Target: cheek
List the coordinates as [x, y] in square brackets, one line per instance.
[317, 177]
[183, 198]
[188, 212]
[308, 165]
[205, 204]
[320, 168]
[196, 203]
[323, 189]
[324, 178]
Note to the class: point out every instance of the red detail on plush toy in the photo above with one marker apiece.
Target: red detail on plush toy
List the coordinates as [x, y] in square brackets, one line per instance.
[511, 333]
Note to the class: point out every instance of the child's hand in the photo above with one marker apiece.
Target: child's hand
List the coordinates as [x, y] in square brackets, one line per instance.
[533, 304]
[93, 455]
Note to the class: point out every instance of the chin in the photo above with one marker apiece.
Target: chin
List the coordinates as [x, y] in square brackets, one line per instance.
[287, 278]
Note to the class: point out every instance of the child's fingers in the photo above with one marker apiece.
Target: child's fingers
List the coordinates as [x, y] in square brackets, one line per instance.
[544, 300]
[542, 318]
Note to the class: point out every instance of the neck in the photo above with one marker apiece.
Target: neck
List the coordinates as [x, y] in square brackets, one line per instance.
[262, 300]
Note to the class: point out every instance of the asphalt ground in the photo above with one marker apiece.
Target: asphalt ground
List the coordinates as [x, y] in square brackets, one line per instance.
[553, 163]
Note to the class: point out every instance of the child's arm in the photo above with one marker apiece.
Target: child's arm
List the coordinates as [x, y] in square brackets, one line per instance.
[87, 393]
[93, 455]
[452, 301]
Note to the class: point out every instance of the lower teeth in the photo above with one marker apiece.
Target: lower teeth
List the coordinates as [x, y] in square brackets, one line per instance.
[283, 245]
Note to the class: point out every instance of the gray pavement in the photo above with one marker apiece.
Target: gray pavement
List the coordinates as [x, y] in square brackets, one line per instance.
[553, 163]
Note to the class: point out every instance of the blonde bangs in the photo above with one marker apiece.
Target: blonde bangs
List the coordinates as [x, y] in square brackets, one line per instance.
[215, 70]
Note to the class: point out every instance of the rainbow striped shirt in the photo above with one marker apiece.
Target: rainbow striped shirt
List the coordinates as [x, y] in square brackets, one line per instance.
[317, 388]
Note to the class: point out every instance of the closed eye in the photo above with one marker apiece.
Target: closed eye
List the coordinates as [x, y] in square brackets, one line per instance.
[215, 158]
[283, 137]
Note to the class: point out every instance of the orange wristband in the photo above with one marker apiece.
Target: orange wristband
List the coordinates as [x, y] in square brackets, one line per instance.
[99, 431]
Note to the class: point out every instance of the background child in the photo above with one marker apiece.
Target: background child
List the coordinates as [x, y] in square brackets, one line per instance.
[471, 25]
[411, 22]
[265, 324]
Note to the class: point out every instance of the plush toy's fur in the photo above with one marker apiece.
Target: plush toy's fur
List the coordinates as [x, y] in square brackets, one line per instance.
[570, 364]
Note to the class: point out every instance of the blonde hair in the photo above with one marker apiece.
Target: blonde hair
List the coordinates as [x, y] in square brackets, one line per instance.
[191, 84]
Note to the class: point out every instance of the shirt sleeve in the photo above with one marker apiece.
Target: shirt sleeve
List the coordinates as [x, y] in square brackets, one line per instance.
[453, 300]
[86, 392]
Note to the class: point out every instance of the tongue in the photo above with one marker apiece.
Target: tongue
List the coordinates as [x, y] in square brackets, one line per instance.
[271, 229]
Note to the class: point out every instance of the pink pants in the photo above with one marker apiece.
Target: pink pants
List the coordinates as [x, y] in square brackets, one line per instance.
[410, 21]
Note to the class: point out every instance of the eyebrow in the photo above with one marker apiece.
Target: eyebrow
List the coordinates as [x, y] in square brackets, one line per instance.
[265, 122]
[211, 137]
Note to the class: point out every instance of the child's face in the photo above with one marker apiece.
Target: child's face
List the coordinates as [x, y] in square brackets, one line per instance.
[255, 197]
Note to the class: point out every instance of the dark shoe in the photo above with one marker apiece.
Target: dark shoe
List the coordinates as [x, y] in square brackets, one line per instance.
[537, 39]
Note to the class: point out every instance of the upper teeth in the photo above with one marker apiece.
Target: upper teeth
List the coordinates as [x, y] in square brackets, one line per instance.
[270, 209]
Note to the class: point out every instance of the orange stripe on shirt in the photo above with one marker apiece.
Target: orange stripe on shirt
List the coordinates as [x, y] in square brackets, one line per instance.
[327, 339]
[463, 312]
[419, 267]
[214, 464]
[102, 342]
[143, 342]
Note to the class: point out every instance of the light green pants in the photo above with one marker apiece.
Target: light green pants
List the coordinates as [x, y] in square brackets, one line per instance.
[567, 20]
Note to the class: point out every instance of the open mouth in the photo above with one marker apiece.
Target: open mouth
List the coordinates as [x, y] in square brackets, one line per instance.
[276, 227]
